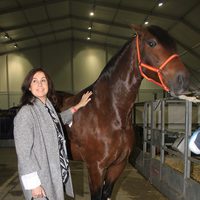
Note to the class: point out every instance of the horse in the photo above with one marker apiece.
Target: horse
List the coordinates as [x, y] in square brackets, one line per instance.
[102, 134]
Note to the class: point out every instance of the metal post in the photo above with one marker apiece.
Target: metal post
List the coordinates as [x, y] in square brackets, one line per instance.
[188, 127]
[145, 112]
[162, 152]
[8, 85]
[153, 149]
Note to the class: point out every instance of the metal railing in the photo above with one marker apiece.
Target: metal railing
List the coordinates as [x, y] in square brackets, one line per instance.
[164, 121]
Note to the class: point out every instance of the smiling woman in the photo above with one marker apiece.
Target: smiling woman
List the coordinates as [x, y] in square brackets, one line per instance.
[39, 139]
[39, 86]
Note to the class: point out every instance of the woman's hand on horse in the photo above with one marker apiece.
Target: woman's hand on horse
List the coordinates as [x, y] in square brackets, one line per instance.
[84, 100]
[38, 192]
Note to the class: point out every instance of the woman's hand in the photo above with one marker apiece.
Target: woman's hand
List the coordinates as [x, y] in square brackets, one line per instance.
[38, 192]
[83, 102]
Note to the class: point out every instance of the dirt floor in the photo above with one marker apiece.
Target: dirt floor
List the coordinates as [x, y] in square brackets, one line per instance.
[130, 186]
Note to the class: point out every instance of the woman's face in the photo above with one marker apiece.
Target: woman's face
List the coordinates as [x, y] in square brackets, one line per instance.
[39, 86]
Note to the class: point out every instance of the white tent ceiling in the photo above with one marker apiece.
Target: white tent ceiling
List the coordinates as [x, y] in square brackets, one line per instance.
[32, 23]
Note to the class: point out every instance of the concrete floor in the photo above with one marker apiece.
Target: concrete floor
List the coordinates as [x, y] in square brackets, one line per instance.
[131, 184]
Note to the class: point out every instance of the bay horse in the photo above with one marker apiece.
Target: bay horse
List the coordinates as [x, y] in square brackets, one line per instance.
[102, 133]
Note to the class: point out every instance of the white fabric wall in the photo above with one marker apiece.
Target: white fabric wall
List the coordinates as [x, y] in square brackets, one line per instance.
[13, 69]
[56, 60]
[72, 66]
[88, 62]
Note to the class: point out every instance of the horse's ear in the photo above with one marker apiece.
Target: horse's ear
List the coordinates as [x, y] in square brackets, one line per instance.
[139, 29]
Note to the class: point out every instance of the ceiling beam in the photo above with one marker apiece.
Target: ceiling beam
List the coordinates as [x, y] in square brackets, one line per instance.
[128, 9]
[12, 28]
[104, 4]
[194, 28]
[93, 32]
[187, 49]
[30, 6]
[60, 41]
[144, 12]
[65, 17]
[62, 30]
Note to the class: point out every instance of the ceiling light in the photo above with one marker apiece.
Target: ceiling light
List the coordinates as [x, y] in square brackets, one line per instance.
[160, 3]
[146, 22]
[15, 45]
[91, 13]
[6, 36]
[88, 38]
[90, 27]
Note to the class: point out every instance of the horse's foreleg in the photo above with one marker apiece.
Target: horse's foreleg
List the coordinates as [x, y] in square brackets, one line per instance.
[112, 174]
[95, 175]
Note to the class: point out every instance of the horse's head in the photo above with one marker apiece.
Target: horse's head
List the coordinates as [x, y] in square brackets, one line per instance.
[158, 61]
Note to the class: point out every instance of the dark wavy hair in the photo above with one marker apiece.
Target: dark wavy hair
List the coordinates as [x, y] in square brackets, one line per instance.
[28, 97]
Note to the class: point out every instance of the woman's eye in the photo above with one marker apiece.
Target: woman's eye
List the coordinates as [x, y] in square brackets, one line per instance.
[44, 80]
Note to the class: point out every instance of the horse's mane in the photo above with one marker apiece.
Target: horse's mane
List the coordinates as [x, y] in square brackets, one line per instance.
[110, 66]
[163, 37]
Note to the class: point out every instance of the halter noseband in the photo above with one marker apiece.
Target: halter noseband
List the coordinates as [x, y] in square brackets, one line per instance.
[153, 68]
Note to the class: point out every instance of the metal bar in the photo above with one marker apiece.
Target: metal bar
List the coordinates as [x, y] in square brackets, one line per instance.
[187, 162]
[153, 149]
[7, 80]
[145, 112]
[194, 160]
[187, 188]
[162, 154]
[173, 152]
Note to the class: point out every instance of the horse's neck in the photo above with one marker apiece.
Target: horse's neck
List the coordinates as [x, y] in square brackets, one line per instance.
[122, 86]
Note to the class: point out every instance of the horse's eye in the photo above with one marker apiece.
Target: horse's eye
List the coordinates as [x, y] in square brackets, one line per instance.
[134, 35]
[152, 43]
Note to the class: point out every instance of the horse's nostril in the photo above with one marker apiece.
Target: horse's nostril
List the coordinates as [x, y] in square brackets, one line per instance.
[180, 79]
[182, 83]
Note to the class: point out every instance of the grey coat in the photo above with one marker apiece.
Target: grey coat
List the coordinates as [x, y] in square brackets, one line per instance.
[37, 148]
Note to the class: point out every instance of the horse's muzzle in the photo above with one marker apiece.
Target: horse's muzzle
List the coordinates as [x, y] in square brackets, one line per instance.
[179, 85]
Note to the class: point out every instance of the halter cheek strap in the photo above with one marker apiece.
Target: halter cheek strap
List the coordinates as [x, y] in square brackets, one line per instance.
[153, 68]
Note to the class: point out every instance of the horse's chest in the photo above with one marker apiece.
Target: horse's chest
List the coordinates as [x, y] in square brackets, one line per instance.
[119, 148]
[120, 141]
[123, 140]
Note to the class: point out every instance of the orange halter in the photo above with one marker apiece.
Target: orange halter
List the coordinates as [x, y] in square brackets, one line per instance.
[153, 68]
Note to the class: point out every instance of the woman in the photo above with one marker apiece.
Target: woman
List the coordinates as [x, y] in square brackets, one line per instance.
[39, 139]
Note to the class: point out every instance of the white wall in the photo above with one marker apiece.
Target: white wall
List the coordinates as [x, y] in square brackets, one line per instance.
[72, 66]
[88, 62]
[56, 60]
[149, 91]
